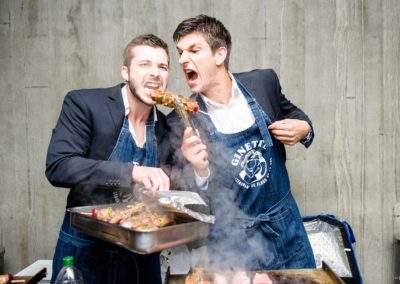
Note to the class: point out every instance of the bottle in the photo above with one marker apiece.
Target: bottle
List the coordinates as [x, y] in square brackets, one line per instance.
[69, 273]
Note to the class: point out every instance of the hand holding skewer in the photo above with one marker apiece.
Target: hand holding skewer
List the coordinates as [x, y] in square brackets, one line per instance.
[193, 149]
[195, 152]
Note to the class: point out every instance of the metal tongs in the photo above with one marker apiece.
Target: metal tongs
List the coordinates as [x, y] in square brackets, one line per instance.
[184, 115]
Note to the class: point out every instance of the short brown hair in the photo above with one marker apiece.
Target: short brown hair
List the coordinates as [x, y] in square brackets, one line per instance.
[147, 40]
[216, 33]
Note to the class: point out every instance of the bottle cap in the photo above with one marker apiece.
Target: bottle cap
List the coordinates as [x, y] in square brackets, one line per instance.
[68, 261]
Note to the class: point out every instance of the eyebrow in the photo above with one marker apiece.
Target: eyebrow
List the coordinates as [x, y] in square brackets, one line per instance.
[190, 47]
[144, 61]
[149, 61]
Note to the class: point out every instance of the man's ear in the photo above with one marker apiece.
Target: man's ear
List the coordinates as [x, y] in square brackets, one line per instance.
[125, 73]
[220, 55]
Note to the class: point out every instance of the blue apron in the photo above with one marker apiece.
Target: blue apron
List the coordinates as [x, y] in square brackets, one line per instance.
[258, 225]
[113, 264]
[126, 151]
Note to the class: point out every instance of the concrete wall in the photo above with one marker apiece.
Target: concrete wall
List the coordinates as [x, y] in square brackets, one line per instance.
[338, 60]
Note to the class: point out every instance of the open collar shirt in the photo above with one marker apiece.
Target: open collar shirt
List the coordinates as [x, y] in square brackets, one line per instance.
[234, 117]
[127, 110]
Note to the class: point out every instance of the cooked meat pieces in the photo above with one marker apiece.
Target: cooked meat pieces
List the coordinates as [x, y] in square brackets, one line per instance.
[5, 278]
[168, 99]
[240, 277]
[163, 98]
[136, 216]
[220, 279]
[197, 276]
[261, 278]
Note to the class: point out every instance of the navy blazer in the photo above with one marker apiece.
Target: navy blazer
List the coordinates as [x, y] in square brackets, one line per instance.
[83, 139]
[264, 86]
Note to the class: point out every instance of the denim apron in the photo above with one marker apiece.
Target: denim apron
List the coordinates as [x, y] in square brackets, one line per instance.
[112, 264]
[258, 224]
[126, 151]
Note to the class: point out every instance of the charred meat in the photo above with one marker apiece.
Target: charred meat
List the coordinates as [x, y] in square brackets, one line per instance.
[168, 99]
[138, 216]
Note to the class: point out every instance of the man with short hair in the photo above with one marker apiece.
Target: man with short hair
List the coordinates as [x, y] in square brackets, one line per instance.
[239, 153]
[105, 141]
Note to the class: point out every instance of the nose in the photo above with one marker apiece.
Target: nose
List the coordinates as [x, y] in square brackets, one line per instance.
[184, 58]
[155, 71]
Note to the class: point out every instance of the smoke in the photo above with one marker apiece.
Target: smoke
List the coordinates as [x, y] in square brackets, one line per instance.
[231, 246]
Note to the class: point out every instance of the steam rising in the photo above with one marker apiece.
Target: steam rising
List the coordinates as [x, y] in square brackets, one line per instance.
[230, 245]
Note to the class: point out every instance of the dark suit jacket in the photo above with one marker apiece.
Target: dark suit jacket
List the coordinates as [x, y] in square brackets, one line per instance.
[265, 87]
[83, 139]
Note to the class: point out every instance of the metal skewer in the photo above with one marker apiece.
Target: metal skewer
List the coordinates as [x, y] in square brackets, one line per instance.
[184, 115]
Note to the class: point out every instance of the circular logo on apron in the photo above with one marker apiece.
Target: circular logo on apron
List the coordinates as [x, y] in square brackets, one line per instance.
[254, 169]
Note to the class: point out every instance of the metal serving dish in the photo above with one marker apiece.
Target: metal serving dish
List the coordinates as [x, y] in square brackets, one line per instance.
[324, 275]
[184, 230]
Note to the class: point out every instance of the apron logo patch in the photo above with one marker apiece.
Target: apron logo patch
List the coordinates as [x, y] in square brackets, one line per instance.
[254, 168]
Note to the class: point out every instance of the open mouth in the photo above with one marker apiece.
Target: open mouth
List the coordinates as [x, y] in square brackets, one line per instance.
[152, 85]
[191, 76]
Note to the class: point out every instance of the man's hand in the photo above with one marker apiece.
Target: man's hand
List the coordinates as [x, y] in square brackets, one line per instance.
[195, 152]
[289, 131]
[151, 178]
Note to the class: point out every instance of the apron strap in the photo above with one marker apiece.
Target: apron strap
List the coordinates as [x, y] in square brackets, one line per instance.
[260, 116]
[263, 220]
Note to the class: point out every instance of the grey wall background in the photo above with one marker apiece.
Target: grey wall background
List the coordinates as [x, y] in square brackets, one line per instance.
[337, 60]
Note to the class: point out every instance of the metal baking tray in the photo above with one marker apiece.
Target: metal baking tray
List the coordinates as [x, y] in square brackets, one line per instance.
[323, 275]
[184, 230]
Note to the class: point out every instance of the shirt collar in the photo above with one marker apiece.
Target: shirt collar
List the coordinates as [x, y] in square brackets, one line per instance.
[126, 103]
[236, 93]
[125, 99]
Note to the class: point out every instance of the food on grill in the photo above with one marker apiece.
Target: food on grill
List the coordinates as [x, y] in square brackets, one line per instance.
[168, 99]
[136, 216]
[279, 278]
[261, 278]
[197, 276]
[6, 278]
[220, 279]
[240, 277]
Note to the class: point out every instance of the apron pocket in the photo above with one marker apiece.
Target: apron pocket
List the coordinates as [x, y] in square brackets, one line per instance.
[291, 239]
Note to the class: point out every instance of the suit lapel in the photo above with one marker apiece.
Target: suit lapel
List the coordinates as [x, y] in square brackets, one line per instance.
[262, 96]
[116, 106]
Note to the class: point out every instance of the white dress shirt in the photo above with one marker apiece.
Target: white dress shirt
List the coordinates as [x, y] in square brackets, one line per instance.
[127, 110]
[234, 117]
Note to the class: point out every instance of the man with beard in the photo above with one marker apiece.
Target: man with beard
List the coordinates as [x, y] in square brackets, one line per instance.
[239, 153]
[107, 140]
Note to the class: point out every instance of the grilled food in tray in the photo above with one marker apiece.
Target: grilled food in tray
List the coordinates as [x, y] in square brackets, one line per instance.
[141, 228]
[139, 216]
[286, 276]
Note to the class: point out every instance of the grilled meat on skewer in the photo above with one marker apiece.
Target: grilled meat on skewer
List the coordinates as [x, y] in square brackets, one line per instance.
[168, 99]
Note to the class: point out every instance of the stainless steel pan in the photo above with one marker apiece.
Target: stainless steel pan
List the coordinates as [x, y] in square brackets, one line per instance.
[184, 230]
